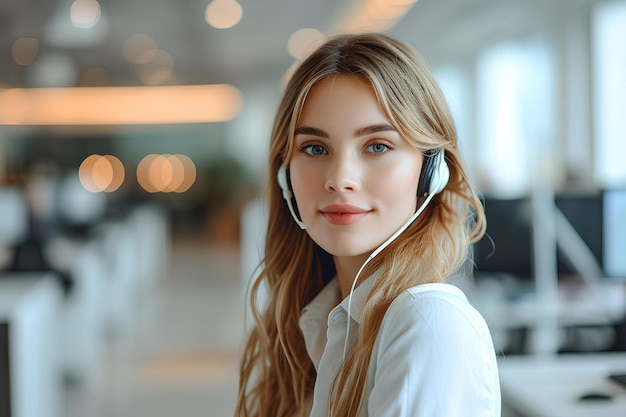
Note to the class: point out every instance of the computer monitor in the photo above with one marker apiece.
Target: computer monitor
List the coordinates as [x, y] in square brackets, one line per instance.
[509, 226]
[507, 246]
[614, 232]
[584, 213]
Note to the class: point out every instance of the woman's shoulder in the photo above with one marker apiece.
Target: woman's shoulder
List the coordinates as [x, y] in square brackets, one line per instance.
[432, 295]
[431, 333]
[434, 306]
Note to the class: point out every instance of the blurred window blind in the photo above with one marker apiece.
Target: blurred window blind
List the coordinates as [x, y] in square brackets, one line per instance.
[608, 51]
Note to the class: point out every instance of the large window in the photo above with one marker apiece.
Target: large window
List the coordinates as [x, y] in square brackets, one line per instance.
[455, 84]
[515, 95]
[609, 86]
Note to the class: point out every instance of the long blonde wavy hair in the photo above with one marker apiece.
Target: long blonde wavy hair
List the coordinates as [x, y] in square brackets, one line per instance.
[276, 374]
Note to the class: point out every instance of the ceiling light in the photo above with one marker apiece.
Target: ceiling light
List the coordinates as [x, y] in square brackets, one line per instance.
[302, 41]
[223, 14]
[386, 11]
[97, 106]
[374, 15]
[84, 14]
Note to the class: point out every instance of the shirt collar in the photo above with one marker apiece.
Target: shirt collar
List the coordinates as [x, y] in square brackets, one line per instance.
[355, 303]
[329, 297]
[314, 318]
[324, 302]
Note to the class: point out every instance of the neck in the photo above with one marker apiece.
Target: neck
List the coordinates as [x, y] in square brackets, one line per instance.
[347, 267]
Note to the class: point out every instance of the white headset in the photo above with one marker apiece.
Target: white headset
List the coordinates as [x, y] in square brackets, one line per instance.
[283, 182]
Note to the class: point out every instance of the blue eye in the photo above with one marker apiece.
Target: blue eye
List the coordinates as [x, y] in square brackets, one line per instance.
[314, 150]
[378, 148]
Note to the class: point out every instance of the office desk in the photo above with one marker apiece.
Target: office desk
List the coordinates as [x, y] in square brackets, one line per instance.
[602, 304]
[550, 387]
[30, 329]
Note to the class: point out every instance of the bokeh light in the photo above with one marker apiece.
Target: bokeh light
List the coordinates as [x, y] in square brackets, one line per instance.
[25, 50]
[223, 14]
[84, 14]
[302, 41]
[166, 173]
[101, 173]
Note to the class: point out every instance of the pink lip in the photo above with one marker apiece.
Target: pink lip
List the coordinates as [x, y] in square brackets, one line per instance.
[343, 214]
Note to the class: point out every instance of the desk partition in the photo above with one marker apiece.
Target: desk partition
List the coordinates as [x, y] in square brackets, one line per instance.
[31, 383]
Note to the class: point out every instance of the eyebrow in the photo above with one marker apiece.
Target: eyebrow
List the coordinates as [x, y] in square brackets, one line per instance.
[367, 130]
[381, 127]
[313, 131]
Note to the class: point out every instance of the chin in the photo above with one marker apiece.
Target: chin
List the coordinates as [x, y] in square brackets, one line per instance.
[347, 249]
[346, 241]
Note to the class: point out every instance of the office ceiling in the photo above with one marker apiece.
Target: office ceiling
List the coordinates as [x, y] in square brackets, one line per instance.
[255, 49]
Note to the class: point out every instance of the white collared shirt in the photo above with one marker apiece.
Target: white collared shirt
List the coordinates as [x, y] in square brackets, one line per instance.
[433, 356]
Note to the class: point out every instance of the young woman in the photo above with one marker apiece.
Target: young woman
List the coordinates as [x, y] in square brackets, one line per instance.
[370, 212]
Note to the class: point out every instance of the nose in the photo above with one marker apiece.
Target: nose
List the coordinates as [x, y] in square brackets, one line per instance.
[343, 175]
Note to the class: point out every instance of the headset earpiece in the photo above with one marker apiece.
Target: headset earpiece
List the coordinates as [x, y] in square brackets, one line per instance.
[282, 177]
[283, 183]
[435, 174]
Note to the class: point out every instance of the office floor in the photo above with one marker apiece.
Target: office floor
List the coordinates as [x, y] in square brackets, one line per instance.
[178, 357]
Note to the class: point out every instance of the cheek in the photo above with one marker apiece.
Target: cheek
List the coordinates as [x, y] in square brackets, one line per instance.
[399, 183]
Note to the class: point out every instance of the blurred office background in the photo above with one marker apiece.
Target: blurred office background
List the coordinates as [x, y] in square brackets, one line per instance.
[133, 145]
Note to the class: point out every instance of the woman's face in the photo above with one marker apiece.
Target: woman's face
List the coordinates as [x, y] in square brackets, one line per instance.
[354, 177]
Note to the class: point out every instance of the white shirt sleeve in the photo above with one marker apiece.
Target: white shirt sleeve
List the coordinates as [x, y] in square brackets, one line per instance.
[434, 358]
